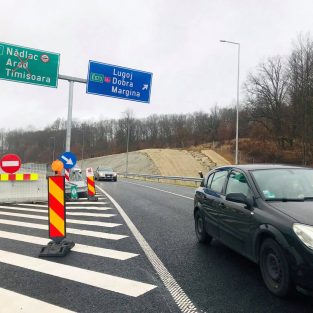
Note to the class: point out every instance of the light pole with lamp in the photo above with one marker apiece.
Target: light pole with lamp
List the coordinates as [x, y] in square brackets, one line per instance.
[237, 107]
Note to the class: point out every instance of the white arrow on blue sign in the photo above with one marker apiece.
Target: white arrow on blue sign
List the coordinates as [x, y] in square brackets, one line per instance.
[118, 82]
[69, 159]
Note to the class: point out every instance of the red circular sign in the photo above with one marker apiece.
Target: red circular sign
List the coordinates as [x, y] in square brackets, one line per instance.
[10, 163]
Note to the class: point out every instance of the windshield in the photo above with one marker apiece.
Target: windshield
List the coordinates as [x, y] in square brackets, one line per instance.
[75, 176]
[105, 169]
[285, 184]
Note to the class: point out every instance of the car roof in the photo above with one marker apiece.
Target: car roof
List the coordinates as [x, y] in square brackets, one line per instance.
[251, 167]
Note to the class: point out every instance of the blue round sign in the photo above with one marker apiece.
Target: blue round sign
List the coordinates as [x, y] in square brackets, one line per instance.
[69, 159]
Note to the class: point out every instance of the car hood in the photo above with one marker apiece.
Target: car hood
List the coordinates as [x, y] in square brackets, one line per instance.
[302, 212]
[79, 184]
[106, 172]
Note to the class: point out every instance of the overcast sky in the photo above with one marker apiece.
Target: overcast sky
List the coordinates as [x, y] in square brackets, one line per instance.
[176, 40]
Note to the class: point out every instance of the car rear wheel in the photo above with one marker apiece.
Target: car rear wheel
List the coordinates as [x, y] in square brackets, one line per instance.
[202, 235]
[274, 268]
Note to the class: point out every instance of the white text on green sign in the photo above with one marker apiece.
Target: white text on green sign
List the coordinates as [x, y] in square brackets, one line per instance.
[28, 65]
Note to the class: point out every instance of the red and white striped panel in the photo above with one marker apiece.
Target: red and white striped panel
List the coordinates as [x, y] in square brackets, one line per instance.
[67, 174]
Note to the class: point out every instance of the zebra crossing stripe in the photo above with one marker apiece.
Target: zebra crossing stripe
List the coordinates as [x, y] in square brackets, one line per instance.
[97, 251]
[68, 208]
[85, 203]
[117, 284]
[67, 213]
[56, 220]
[16, 302]
[89, 208]
[74, 231]
[90, 214]
[35, 205]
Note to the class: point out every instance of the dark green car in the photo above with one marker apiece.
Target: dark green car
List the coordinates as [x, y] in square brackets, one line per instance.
[264, 212]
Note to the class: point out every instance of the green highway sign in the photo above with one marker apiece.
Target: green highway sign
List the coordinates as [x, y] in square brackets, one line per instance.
[30, 66]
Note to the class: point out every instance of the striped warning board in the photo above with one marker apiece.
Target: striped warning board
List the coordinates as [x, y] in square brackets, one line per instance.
[67, 175]
[19, 177]
[91, 186]
[56, 201]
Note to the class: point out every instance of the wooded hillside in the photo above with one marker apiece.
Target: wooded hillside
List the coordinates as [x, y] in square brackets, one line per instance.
[275, 123]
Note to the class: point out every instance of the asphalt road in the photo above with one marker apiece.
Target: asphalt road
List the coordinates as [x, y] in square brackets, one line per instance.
[135, 251]
[215, 278]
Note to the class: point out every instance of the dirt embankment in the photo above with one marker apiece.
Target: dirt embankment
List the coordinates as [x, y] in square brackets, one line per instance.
[167, 162]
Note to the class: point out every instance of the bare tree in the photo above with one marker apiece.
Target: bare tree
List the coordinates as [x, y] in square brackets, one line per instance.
[267, 96]
[301, 92]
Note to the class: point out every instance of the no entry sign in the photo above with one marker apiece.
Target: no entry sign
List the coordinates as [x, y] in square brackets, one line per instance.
[10, 163]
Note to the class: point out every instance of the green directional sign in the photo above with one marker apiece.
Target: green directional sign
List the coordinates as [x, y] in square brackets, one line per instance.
[30, 66]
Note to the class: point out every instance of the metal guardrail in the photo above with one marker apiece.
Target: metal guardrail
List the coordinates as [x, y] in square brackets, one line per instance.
[195, 180]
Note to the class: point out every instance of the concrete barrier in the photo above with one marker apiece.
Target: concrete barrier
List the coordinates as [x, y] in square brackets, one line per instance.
[17, 190]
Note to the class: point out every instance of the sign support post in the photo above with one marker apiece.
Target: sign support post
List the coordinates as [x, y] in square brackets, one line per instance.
[71, 81]
[69, 116]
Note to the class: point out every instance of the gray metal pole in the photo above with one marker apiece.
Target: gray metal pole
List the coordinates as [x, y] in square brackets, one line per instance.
[71, 81]
[69, 117]
[127, 145]
[237, 106]
[83, 149]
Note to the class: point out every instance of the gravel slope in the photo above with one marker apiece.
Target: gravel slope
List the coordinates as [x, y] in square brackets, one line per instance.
[171, 162]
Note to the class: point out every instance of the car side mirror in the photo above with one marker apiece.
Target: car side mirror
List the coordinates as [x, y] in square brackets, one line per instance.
[240, 198]
[200, 174]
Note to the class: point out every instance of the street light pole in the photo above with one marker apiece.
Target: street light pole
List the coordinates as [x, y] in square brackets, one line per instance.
[237, 106]
[127, 145]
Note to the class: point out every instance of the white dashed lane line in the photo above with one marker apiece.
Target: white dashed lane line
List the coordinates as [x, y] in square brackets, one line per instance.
[165, 191]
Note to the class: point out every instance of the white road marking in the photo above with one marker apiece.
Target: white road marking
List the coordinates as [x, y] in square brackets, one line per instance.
[182, 300]
[46, 212]
[88, 208]
[86, 203]
[90, 214]
[99, 198]
[34, 205]
[23, 209]
[100, 280]
[75, 231]
[15, 302]
[106, 253]
[67, 207]
[68, 220]
[172, 193]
